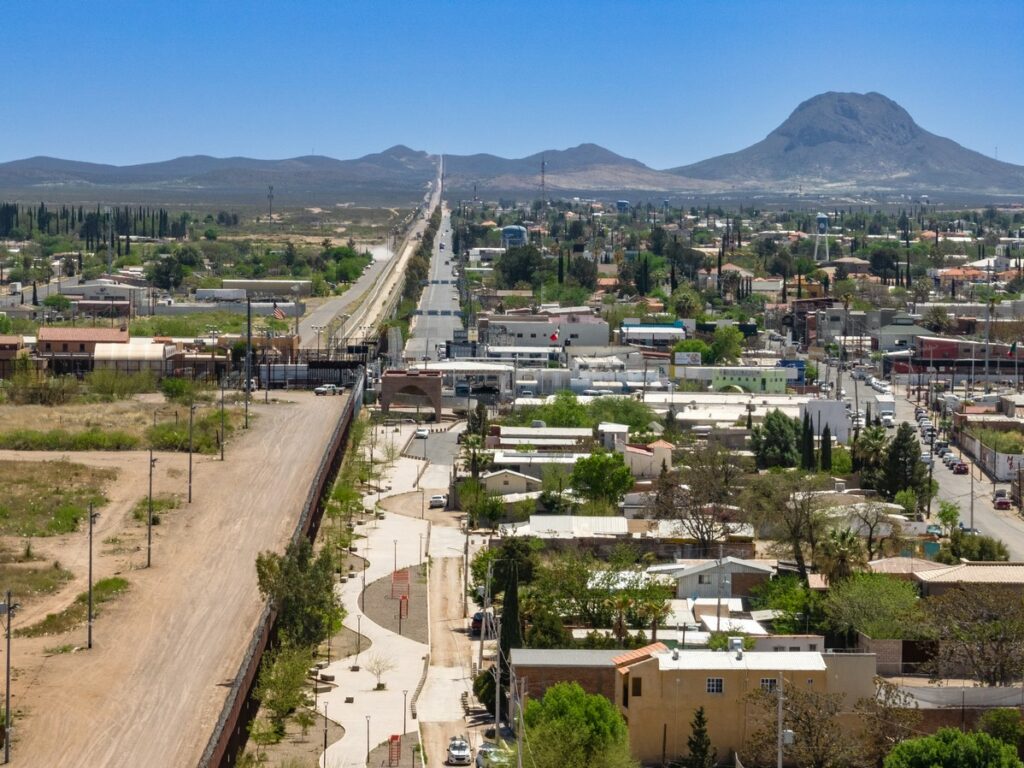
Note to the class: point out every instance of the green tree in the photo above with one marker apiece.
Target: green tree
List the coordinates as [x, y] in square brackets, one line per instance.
[58, 302]
[281, 686]
[908, 500]
[949, 514]
[951, 748]
[774, 440]
[1004, 724]
[702, 753]
[601, 478]
[726, 344]
[902, 467]
[695, 345]
[569, 728]
[881, 607]
[970, 546]
[797, 607]
[826, 449]
[519, 265]
[301, 589]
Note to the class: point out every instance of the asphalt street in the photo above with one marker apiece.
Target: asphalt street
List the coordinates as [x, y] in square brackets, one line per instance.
[1005, 525]
[42, 291]
[432, 328]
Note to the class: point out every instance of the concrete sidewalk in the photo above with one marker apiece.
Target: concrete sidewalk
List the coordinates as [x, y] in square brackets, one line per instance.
[381, 711]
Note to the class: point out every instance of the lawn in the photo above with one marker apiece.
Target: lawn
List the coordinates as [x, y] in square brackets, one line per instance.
[44, 498]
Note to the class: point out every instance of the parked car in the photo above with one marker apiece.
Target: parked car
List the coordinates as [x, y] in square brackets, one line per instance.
[459, 752]
[960, 468]
[934, 530]
[926, 458]
[328, 389]
[1001, 499]
[438, 501]
[480, 619]
[422, 433]
[949, 459]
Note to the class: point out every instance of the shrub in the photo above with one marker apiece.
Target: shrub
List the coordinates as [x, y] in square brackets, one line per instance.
[171, 436]
[92, 439]
[109, 384]
[184, 391]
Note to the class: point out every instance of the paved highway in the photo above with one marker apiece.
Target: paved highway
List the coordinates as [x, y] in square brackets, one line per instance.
[1005, 525]
[431, 327]
[42, 291]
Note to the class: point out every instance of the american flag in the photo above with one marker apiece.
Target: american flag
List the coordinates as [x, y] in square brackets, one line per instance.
[278, 313]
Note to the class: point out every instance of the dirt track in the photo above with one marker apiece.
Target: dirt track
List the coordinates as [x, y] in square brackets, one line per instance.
[150, 691]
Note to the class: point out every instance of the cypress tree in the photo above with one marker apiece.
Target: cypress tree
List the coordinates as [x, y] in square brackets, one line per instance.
[702, 753]
[561, 268]
[826, 449]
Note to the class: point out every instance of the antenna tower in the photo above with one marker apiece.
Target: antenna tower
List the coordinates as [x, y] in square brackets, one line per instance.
[543, 181]
[270, 203]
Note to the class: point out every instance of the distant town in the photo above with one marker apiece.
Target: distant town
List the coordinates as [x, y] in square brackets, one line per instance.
[537, 480]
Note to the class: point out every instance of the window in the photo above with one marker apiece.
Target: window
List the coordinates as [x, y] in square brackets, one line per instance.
[81, 347]
[778, 648]
[63, 347]
[810, 682]
[533, 335]
[794, 649]
[703, 578]
[715, 685]
[768, 684]
[625, 692]
[637, 685]
[812, 646]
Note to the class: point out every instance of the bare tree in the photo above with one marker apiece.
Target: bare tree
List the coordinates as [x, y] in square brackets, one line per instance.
[378, 666]
[872, 521]
[785, 503]
[703, 499]
[890, 717]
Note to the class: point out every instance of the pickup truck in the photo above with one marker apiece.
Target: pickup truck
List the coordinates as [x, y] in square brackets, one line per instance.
[328, 389]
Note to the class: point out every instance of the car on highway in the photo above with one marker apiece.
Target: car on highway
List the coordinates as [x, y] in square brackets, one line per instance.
[327, 389]
[459, 752]
[1001, 499]
[960, 468]
[438, 501]
[422, 433]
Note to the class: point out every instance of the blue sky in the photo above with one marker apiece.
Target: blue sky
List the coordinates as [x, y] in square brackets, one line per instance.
[665, 82]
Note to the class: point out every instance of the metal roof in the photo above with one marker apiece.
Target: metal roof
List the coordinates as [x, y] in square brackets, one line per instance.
[564, 657]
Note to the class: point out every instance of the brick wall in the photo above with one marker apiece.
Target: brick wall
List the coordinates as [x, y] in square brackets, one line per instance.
[598, 680]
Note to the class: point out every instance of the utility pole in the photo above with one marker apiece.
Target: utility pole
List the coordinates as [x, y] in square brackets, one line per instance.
[92, 521]
[149, 518]
[191, 413]
[779, 739]
[248, 349]
[9, 609]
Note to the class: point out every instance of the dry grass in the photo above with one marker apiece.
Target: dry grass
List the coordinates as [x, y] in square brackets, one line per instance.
[131, 416]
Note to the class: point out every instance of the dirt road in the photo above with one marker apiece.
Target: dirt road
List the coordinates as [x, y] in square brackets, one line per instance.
[151, 689]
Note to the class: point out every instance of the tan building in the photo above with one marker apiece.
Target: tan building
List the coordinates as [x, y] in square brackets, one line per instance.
[505, 482]
[71, 350]
[659, 695]
[10, 348]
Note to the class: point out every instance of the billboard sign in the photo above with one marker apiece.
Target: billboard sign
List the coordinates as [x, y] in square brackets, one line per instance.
[687, 358]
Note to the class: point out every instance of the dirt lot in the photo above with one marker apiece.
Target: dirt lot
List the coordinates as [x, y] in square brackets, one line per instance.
[132, 416]
[150, 690]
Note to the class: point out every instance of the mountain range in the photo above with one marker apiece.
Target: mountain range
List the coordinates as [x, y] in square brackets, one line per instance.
[833, 143]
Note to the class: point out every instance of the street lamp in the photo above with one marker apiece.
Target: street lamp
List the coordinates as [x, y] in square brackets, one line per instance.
[405, 694]
[325, 733]
[8, 609]
[92, 521]
[367, 741]
[318, 329]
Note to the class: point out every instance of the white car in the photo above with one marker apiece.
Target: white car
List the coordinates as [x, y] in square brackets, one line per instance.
[440, 501]
[459, 752]
[422, 433]
[327, 389]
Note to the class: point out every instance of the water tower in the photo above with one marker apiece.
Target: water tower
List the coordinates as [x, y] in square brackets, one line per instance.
[821, 235]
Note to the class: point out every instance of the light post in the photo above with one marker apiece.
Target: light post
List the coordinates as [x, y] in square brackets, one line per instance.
[318, 329]
[396, 555]
[367, 740]
[92, 521]
[191, 414]
[405, 695]
[8, 609]
[222, 434]
[149, 516]
[325, 733]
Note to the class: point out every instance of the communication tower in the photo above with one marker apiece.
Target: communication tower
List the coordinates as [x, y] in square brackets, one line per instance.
[821, 235]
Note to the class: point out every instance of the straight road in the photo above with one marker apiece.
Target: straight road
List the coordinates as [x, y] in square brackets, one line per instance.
[1005, 525]
[42, 291]
[152, 687]
[432, 328]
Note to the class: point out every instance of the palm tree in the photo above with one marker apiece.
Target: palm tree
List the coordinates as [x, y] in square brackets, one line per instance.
[869, 449]
[840, 555]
